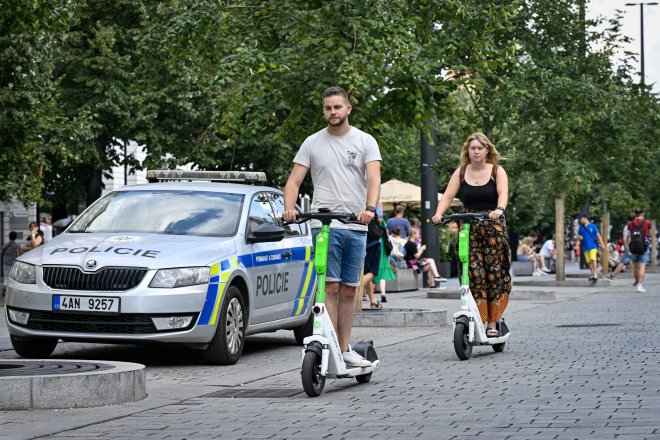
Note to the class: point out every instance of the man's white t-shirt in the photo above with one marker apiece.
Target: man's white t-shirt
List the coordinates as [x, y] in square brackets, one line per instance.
[338, 168]
[548, 246]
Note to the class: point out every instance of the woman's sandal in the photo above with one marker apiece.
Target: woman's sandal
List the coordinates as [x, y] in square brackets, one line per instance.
[376, 305]
[383, 299]
[492, 333]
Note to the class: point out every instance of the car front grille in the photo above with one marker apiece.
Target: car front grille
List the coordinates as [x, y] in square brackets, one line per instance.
[125, 324]
[113, 279]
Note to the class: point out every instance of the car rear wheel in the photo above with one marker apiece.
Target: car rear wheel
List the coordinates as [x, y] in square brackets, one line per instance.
[227, 344]
[33, 348]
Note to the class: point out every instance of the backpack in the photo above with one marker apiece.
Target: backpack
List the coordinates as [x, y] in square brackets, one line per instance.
[637, 245]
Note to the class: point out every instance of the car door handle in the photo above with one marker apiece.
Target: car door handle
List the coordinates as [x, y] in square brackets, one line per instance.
[287, 254]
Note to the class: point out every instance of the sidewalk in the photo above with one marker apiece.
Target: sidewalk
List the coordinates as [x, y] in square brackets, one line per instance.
[580, 366]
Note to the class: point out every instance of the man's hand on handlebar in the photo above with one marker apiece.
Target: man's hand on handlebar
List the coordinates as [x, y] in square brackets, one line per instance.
[289, 215]
[365, 216]
[436, 219]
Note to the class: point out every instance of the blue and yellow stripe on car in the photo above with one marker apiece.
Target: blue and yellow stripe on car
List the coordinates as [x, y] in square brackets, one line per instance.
[221, 271]
[218, 277]
[306, 282]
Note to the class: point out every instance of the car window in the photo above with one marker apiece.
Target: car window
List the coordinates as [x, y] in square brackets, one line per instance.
[172, 212]
[292, 229]
[261, 211]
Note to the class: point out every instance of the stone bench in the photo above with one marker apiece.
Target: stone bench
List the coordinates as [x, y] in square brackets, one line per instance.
[522, 268]
[406, 279]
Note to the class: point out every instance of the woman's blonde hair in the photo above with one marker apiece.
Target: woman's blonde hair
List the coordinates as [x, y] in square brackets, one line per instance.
[491, 157]
[412, 232]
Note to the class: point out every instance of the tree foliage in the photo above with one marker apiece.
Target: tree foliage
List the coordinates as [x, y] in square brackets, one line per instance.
[237, 85]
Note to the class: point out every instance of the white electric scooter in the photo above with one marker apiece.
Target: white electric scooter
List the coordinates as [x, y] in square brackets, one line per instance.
[321, 354]
[468, 326]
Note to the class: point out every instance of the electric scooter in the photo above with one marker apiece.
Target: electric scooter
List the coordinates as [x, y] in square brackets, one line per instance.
[469, 329]
[321, 354]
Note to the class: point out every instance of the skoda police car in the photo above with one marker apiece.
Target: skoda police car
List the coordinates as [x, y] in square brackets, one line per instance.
[192, 258]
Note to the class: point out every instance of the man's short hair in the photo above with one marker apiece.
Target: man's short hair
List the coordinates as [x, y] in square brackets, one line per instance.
[13, 235]
[400, 209]
[639, 211]
[335, 91]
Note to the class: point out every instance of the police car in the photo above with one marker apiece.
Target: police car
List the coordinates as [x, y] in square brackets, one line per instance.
[190, 258]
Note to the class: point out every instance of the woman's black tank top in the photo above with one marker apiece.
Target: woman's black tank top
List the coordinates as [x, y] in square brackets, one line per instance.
[479, 198]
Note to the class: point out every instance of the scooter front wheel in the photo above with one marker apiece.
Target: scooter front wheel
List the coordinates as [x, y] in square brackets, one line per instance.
[462, 344]
[312, 380]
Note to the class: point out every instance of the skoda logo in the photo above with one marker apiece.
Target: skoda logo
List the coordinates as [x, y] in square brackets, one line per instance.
[90, 264]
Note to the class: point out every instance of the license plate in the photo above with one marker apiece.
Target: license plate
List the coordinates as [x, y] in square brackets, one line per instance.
[85, 303]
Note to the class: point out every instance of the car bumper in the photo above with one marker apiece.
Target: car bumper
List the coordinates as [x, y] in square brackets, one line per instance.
[133, 324]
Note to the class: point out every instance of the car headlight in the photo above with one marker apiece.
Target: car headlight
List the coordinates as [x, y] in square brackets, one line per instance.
[181, 277]
[23, 273]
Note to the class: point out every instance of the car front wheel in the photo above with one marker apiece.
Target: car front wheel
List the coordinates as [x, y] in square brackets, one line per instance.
[227, 344]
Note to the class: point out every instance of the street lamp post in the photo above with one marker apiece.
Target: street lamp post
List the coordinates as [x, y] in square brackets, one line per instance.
[641, 26]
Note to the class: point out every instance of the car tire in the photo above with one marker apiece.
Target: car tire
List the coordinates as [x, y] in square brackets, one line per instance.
[304, 330]
[227, 344]
[33, 348]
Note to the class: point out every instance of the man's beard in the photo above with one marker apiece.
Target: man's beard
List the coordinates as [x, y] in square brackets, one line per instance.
[337, 124]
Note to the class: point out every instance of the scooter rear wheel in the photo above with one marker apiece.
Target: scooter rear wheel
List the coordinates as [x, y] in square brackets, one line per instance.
[371, 356]
[462, 344]
[498, 348]
[312, 380]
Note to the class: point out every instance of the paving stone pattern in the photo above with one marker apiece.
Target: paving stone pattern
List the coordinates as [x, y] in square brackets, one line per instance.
[551, 382]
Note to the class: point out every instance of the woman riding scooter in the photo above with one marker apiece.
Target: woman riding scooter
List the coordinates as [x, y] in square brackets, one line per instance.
[482, 185]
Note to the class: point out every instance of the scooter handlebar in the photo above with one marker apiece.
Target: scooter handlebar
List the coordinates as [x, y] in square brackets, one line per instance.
[326, 217]
[464, 216]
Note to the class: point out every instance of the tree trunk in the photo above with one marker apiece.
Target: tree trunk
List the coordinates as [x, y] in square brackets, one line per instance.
[94, 184]
[605, 234]
[654, 244]
[559, 236]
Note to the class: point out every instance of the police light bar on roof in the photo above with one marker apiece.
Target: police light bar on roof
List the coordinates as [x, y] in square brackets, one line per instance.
[209, 176]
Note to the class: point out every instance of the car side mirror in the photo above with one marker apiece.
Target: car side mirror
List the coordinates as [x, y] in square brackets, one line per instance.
[60, 225]
[266, 233]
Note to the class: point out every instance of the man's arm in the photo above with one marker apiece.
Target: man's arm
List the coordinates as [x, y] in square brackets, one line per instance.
[373, 190]
[291, 189]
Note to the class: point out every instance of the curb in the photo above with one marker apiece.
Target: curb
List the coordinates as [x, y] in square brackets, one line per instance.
[107, 383]
[538, 295]
[400, 318]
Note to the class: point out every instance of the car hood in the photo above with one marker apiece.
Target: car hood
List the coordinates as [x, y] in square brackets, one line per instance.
[139, 250]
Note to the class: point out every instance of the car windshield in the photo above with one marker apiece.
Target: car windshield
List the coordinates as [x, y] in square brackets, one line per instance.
[169, 212]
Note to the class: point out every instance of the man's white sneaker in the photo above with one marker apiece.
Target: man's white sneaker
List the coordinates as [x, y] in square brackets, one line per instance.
[537, 273]
[353, 359]
[640, 288]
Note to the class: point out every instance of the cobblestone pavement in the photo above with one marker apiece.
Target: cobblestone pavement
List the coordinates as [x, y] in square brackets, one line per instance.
[586, 365]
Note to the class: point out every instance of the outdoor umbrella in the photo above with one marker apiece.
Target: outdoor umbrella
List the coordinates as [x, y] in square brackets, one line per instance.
[395, 192]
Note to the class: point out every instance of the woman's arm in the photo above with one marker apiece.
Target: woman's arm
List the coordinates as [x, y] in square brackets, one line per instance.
[448, 196]
[502, 193]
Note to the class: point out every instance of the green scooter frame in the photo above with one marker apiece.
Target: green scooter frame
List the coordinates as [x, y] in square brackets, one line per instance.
[321, 354]
[468, 328]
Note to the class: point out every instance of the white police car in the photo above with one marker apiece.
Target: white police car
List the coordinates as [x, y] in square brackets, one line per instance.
[184, 260]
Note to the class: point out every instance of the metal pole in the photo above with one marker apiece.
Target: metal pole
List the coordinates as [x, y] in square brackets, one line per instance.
[641, 27]
[429, 155]
[125, 165]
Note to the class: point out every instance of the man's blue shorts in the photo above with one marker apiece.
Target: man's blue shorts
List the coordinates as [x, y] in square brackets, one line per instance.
[644, 258]
[346, 251]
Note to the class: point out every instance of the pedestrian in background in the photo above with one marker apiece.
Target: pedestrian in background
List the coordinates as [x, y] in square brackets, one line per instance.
[399, 221]
[639, 228]
[35, 239]
[10, 252]
[46, 227]
[385, 270]
[590, 240]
